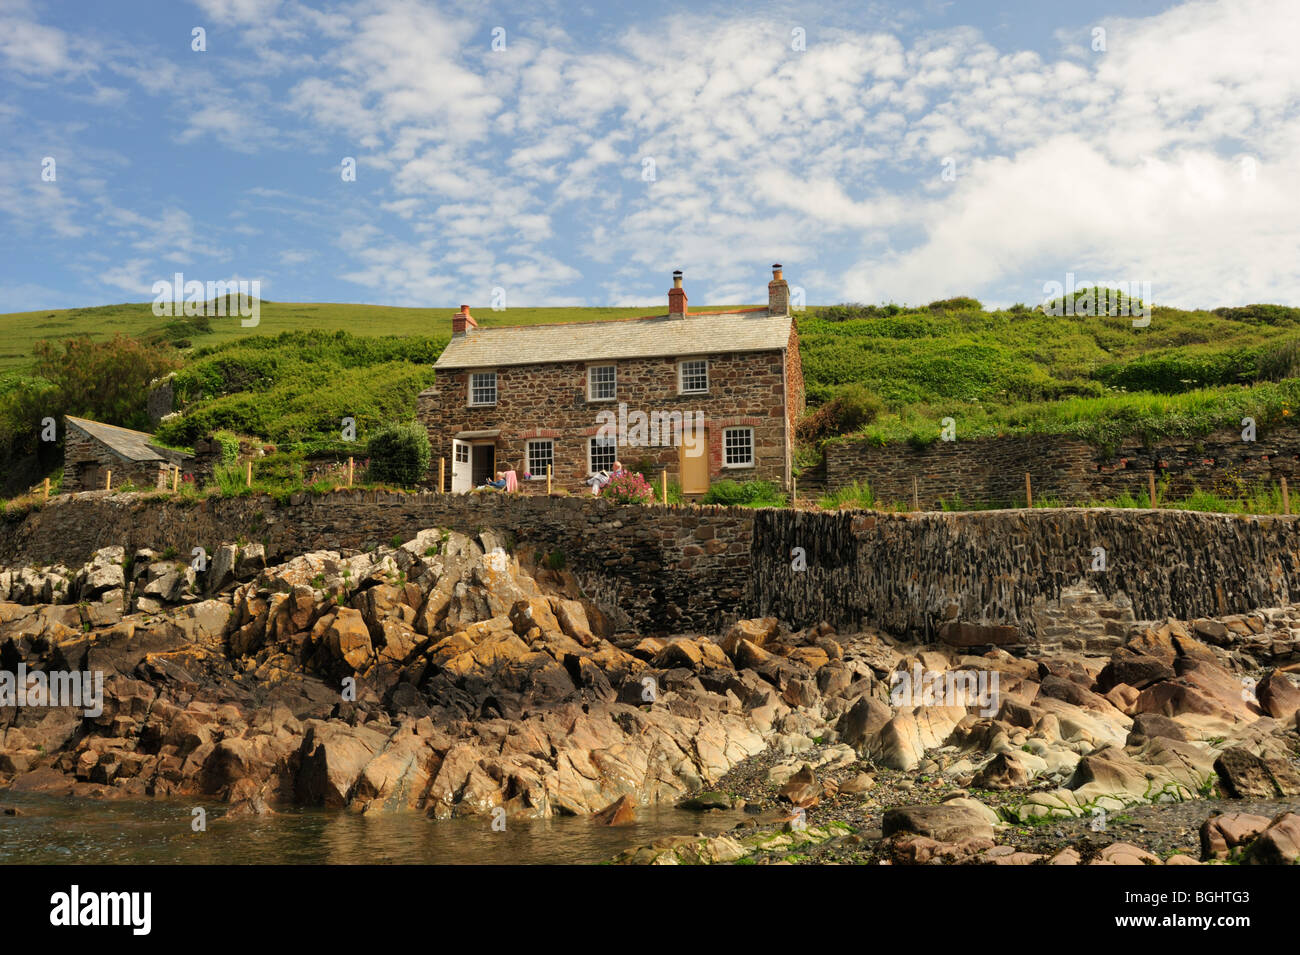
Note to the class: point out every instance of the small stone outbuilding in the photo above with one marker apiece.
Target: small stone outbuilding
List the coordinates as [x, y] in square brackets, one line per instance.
[92, 448]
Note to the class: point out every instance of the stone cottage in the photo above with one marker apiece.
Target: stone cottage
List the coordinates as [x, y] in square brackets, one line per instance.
[92, 448]
[703, 395]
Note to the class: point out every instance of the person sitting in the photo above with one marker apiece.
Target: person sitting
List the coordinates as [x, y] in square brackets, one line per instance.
[601, 478]
[499, 483]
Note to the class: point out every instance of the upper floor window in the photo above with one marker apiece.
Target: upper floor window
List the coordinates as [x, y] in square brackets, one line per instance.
[602, 384]
[693, 377]
[483, 388]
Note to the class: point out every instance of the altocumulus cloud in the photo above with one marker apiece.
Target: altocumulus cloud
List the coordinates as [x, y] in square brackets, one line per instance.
[1170, 157]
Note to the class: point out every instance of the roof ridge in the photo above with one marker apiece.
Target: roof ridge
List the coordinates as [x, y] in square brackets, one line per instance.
[115, 427]
[625, 318]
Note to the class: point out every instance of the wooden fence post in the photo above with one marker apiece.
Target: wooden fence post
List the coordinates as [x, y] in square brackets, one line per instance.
[47, 488]
[442, 473]
[916, 494]
[1151, 487]
[176, 479]
[664, 483]
[248, 480]
[1286, 498]
[794, 492]
[549, 469]
[108, 480]
[349, 472]
[1029, 491]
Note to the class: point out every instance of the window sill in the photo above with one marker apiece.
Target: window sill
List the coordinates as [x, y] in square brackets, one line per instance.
[738, 467]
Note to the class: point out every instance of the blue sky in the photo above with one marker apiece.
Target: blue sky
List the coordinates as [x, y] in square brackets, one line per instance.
[908, 152]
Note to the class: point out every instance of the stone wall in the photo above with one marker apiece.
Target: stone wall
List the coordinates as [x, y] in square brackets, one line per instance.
[550, 401]
[658, 569]
[911, 573]
[682, 569]
[991, 471]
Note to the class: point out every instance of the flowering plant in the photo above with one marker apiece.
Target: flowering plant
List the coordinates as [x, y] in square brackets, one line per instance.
[628, 488]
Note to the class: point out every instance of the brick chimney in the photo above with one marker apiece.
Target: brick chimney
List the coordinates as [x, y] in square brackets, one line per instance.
[778, 293]
[462, 321]
[677, 297]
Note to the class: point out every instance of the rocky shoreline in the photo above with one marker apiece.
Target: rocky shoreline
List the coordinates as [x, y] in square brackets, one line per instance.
[452, 675]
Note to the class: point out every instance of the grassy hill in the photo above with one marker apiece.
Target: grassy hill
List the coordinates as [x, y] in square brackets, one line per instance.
[21, 330]
[305, 366]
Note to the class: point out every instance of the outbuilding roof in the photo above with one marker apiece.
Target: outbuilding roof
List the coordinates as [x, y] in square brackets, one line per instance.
[698, 333]
[132, 445]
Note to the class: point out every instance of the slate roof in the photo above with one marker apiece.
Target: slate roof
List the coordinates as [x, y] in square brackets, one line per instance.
[699, 333]
[132, 445]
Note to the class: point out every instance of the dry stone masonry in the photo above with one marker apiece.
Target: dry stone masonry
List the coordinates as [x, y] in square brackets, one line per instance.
[674, 570]
[981, 471]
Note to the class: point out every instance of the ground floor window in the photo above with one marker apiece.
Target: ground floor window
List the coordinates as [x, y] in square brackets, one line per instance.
[462, 453]
[602, 454]
[738, 447]
[541, 457]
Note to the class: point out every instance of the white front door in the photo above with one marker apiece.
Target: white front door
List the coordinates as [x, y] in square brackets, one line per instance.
[460, 467]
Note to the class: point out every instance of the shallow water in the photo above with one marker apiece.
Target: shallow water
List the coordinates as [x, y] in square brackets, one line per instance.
[56, 829]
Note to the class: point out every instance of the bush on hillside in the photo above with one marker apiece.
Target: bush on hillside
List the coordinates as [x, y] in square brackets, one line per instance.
[399, 454]
[847, 311]
[106, 381]
[959, 304]
[228, 441]
[852, 407]
[1261, 314]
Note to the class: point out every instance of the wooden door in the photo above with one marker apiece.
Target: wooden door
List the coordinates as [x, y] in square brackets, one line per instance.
[695, 466]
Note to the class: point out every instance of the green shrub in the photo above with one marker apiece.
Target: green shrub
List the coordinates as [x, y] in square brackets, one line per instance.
[399, 454]
[853, 407]
[857, 494]
[228, 442]
[747, 494]
[956, 305]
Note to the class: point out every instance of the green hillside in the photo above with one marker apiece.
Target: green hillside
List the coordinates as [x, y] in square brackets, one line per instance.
[889, 372]
[21, 330]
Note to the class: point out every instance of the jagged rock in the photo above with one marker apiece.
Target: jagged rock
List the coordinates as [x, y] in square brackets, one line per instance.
[1222, 833]
[104, 572]
[621, 812]
[757, 631]
[1246, 775]
[344, 637]
[1147, 726]
[863, 720]
[221, 568]
[1003, 771]
[802, 789]
[333, 756]
[250, 562]
[946, 822]
[1138, 670]
[858, 785]
[1123, 853]
[1279, 844]
[1279, 697]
